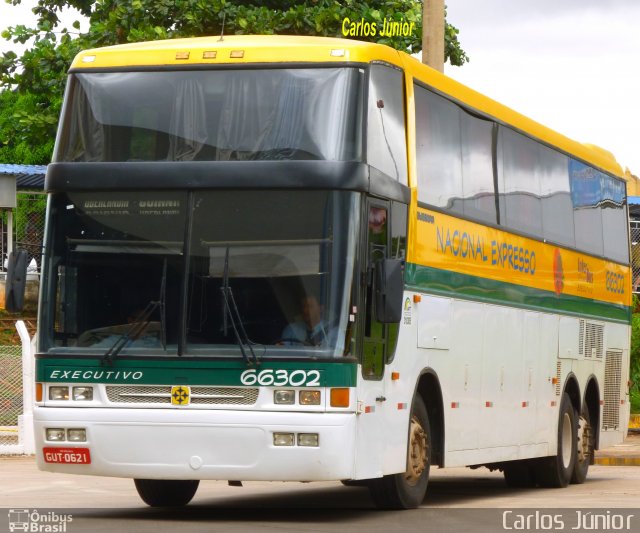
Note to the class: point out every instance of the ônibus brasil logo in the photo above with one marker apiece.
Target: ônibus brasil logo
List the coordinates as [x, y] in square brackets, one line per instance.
[558, 273]
[38, 522]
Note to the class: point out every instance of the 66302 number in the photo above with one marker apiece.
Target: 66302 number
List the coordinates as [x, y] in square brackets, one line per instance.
[281, 377]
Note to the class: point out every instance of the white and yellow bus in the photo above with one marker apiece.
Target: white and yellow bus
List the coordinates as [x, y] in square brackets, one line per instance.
[462, 271]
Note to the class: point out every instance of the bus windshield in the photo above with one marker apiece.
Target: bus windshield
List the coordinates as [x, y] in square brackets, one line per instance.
[219, 115]
[211, 273]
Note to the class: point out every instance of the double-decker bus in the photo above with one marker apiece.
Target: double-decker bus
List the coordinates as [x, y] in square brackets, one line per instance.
[300, 259]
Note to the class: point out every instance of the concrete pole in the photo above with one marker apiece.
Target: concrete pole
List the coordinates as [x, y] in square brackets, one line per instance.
[433, 34]
[26, 434]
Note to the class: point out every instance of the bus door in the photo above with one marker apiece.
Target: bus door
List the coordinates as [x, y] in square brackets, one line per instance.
[373, 336]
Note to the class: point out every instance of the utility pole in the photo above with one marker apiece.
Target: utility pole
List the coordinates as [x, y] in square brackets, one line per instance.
[433, 34]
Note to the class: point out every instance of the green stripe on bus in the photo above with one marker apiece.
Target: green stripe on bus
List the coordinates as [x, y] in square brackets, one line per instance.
[174, 371]
[456, 285]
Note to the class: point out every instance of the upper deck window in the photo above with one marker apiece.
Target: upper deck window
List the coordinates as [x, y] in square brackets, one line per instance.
[222, 115]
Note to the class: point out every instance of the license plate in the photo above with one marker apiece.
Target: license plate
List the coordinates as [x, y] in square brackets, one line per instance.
[75, 456]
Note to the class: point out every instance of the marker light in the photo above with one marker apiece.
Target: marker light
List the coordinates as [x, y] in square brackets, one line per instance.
[55, 434]
[283, 439]
[308, 439]
[286, 397]
[236, 54]
[339, 397]
[310, 397]
[58, 393]
[77, 435]
[182, 55]
[83, 393]
[88, 59]
[209, 54]
[337, 52]
[39, 388]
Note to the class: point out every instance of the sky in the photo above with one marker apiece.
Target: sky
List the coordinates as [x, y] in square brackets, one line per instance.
[572, 65]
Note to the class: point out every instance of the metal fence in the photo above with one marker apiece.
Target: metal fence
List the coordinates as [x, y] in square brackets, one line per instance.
[11, 397]
[28, 228]
[634, 230]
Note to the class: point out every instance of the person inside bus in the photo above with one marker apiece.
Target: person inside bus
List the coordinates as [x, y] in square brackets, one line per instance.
[312, 329]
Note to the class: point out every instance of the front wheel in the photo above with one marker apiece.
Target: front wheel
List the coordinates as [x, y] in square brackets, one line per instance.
[166, 492]
[407, 489]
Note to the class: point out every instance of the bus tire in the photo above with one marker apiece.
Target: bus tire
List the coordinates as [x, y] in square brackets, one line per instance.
[166, 492]
[585, 447]
[407, 489]
[519, 474]
[556, 471]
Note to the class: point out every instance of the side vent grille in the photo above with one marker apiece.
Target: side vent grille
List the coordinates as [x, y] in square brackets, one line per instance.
[594, 340]
[558, 376]
[581, 337]
[612, 378]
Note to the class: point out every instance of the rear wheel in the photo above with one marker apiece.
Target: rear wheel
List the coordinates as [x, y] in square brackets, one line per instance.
[586, 445]
[556, 471]
[166, 492]
[407, 489]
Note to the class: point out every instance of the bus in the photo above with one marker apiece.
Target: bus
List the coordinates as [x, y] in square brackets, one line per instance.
[280, 258]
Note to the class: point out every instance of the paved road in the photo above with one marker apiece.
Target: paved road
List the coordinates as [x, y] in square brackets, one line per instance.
[458, 500]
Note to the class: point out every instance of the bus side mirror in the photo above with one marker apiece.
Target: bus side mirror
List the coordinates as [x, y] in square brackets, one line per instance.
[389, 289]
[16, 281]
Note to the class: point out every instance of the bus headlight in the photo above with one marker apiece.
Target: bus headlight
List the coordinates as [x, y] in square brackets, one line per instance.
[286, 397]
[77, 435]
[308, 439]
[55, 434]
[283, 439]
[83, 393]
[58, 393]
[310, 397]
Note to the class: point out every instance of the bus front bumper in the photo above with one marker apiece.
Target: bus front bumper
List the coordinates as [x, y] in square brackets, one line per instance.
[197, 444]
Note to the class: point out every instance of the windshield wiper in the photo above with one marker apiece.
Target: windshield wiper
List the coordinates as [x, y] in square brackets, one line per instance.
[229, 300]
[140, 323]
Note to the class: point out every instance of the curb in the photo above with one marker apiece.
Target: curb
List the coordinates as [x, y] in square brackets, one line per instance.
[617, 461]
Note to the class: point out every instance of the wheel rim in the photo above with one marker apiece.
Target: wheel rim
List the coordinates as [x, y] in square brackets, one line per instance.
[567, 441]
[584, 437]
[417, 461]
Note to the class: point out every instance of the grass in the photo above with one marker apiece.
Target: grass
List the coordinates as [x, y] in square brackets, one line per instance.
[635, 402]
[8, 333]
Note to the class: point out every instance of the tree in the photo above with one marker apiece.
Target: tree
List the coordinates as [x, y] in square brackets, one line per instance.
[37, 77]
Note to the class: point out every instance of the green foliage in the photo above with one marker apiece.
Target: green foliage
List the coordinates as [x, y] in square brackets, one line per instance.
[27, 127]
[634, 372]
[34, 82]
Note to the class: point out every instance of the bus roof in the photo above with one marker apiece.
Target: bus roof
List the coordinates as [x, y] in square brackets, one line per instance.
[252, 49]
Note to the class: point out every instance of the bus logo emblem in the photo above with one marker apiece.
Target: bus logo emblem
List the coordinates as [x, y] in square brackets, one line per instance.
[180, 395]
[558, 272]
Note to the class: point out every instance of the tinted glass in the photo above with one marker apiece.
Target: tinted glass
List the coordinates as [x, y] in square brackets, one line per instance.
[477, 168]
[213, 115]
[557, 212]
[116, 259]
[276, 264]
[438, 151]
[586, 197]
[386, 136]
[519, 186]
